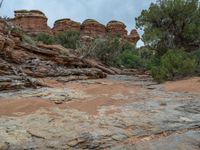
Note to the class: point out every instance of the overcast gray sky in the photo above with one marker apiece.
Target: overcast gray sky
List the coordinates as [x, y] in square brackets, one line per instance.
[79, 10]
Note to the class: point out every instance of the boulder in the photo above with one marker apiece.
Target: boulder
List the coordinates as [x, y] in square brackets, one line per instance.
[66, 25]
[117, 28]
[92, 28]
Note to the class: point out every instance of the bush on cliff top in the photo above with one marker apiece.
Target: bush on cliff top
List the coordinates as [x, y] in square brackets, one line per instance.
[68, 39]
[45, 38]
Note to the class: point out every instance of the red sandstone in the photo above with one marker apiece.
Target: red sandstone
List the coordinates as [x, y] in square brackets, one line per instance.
[35, 21]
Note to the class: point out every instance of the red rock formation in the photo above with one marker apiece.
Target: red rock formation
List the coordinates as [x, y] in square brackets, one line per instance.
[33, 21]
[133, 37]
[117, 28]
[66, 25]
[92, 28]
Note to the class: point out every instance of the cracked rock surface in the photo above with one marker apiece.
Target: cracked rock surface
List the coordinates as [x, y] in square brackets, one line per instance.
[120, 112]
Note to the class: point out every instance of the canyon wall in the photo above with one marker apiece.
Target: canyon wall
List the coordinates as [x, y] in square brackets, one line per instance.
[35, 21]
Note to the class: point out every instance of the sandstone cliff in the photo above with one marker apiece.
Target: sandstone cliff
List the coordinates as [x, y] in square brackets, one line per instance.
[33, 21]
[93, 28]
[117, 28]
[66, 25]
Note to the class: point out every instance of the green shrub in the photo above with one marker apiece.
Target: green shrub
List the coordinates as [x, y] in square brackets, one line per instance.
[27, 39]
[130, 59]
[105, 50]
[115, 52]
[196, 55]
[174, 64]
[24, 36]
[147, 56]
[44, 38]
[70, 39]
[109, 50]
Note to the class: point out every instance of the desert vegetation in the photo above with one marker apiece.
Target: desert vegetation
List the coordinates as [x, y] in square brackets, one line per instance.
[88, 86]
[171, 42]
[172, 31]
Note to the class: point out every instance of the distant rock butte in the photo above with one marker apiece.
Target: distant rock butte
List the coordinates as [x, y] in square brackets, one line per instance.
[35, 21]
[32, 21]
[93, 28]
[133, 37]
[66, 25]
[117, 28]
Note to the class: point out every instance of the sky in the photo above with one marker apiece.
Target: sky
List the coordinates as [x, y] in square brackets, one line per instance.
[79, 10]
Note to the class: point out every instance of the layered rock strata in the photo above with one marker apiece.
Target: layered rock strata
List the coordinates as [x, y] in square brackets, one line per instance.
[133, 37]
[117, 28]
[66, 25]
[93, 28]
[35, 21]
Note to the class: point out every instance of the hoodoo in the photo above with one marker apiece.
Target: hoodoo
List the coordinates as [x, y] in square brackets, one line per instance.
[117, 28]
[33, 21]
[93, 28]
[133, 37]
[66, 25]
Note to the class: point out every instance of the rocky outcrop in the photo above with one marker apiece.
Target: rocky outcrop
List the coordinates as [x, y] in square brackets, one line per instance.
[93, 28]
[22, 64]
[117, 28]
[33, 21]
[66, 25]
[121, 112]
[133, 37]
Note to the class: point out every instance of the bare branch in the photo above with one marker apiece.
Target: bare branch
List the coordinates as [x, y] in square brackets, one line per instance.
[1, 3]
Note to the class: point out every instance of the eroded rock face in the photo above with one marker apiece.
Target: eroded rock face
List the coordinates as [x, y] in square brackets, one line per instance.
[33, 21]
[147, 117]
[117, 28]
[66, 25]
[133, 37]
[93, 28]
